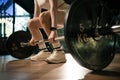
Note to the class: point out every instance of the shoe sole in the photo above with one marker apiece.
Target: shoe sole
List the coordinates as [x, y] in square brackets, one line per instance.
[37, 59]
[49, 62]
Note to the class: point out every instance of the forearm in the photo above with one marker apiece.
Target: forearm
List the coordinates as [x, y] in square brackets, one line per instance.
[36, 9]
[53, 18]
[53, 12]
[36, 15]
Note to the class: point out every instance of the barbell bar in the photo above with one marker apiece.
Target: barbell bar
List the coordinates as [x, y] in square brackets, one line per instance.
[23, 44]
[18, 44]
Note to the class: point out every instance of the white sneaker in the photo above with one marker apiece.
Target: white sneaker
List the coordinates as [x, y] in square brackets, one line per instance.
[42, 55]
[56, 57]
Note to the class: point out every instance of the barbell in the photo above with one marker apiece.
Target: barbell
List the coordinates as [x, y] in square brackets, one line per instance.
[18, 44]
[24, 44]
[14, 48]
[90, 33]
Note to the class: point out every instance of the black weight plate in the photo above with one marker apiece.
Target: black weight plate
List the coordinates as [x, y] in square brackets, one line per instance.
[94, 53]
[69, 1]
[13, 45]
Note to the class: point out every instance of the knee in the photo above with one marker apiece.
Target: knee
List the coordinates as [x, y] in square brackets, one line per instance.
[44, 17]
[30, 24]
[33, 24]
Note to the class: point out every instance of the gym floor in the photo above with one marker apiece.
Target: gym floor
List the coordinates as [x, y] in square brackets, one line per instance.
[14, 69]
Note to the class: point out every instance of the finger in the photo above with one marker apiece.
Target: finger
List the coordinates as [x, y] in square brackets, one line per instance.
[32, 44]
[51, 40]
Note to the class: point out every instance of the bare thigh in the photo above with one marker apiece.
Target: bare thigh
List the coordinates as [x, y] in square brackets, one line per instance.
[35, 22]
[60, 20]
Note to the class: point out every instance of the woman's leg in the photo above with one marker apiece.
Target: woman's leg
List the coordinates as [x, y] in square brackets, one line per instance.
[34, 26]
[58, 55]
